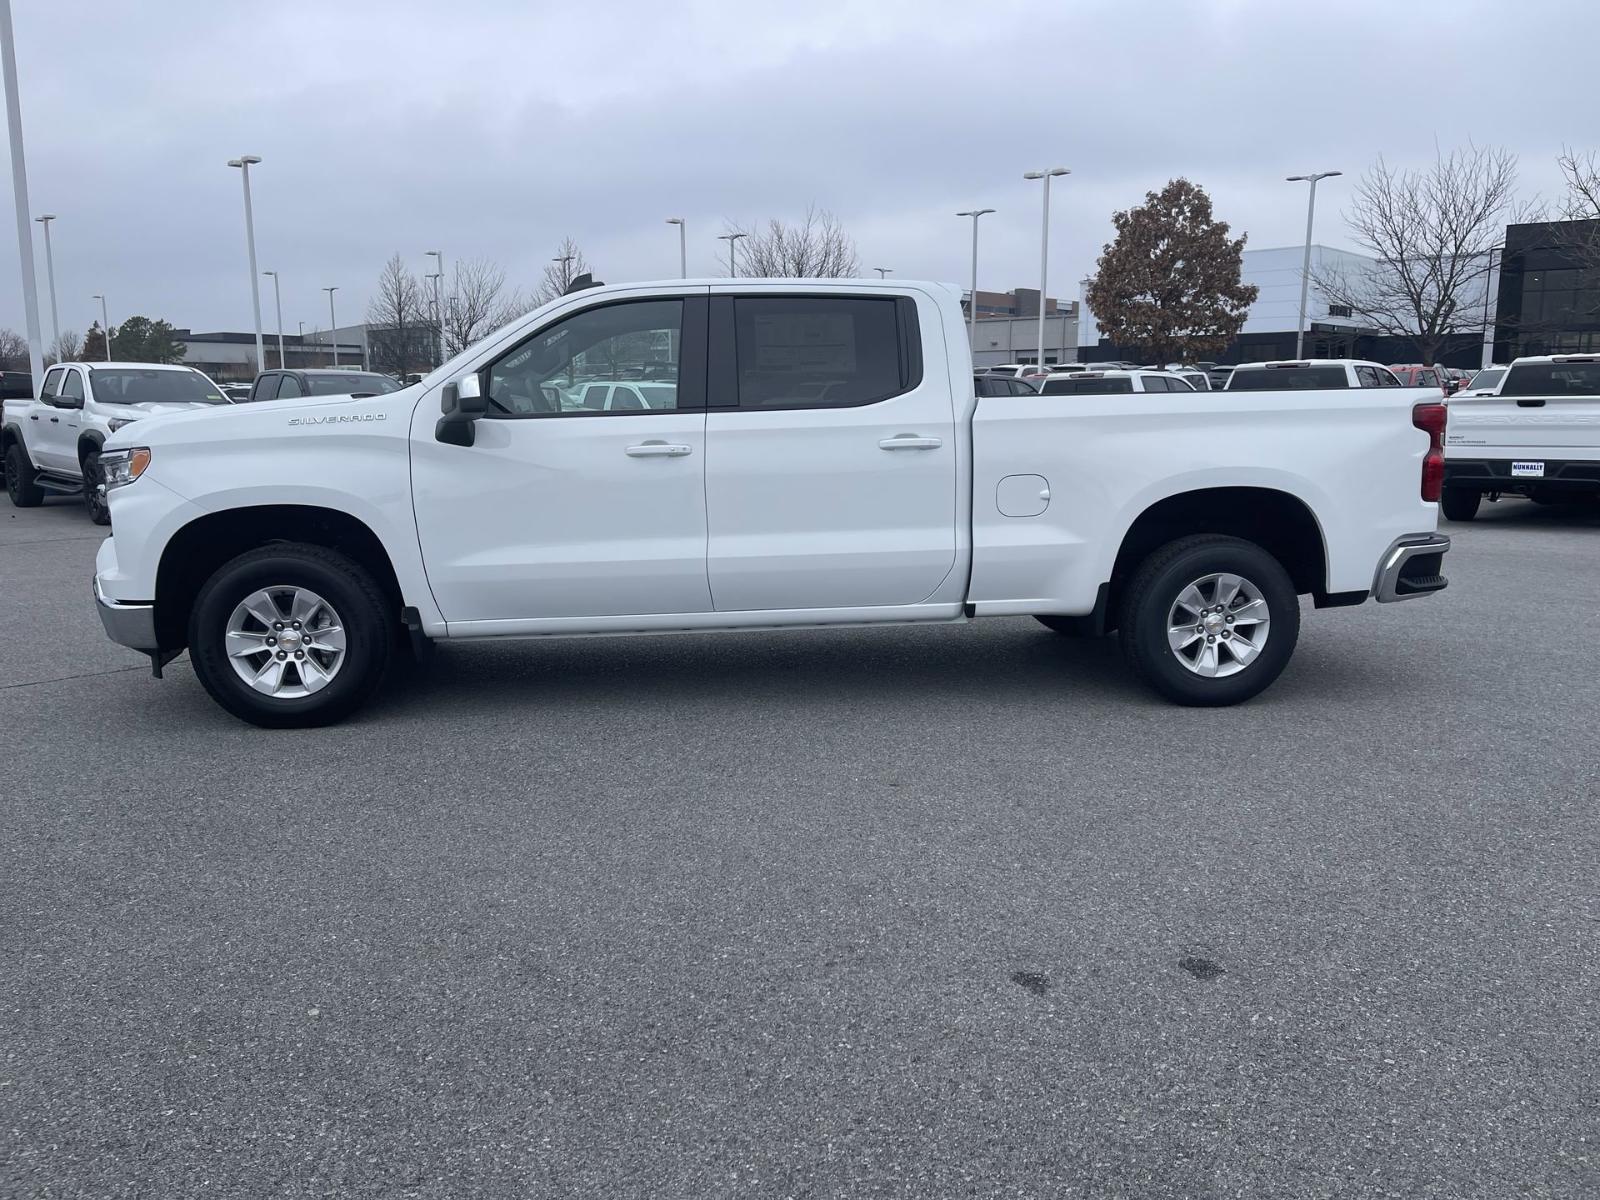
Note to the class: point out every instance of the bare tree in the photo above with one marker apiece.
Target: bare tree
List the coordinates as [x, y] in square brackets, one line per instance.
[68, 347]
[477, 304]
[13, 351]
[1431, 233]
[566, 266]
[816, 247]
[1580, 207]
[400, 329]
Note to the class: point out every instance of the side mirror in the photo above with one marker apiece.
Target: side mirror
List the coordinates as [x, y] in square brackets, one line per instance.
[67, 401]
[463, 403]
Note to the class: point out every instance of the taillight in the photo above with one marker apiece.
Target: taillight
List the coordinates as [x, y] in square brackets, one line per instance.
[1431, 419]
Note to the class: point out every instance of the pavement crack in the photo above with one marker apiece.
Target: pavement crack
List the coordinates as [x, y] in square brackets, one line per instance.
[7, 687]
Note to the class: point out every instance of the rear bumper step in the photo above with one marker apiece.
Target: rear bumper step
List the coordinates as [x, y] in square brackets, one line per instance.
[1410, 568]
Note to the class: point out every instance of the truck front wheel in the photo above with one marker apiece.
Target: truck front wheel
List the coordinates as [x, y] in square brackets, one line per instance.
[20, 485]
[1209, 620]
[290, 635]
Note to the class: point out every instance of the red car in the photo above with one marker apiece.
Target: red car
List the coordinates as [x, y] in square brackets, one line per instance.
[1414, 375]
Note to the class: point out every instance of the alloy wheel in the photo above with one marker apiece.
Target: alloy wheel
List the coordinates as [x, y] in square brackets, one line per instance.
[1218, 625]
[285, 642]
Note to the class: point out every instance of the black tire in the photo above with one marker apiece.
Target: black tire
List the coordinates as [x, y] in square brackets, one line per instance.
[93, 498]
[20, 477]
[363, 611]
[1459, 504]
[1148, 599]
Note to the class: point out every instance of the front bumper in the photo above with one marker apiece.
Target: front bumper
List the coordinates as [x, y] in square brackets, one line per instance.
[1411, 568]
[131, 625]
[1494, 475]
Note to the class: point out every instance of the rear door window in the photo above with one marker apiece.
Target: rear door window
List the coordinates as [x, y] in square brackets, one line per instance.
[822, 351]
[1367, 377]
[289, 388]
[266, 388]
[52, 381]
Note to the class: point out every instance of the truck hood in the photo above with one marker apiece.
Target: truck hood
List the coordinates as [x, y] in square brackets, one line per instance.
[227, 422]
[159, 408]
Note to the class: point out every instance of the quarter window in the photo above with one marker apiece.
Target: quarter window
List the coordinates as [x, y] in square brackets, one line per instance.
[819, 352]
[571, 368]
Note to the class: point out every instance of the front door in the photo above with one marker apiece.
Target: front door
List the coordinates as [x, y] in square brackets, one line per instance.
[565, 507]
[57, 449]
[831, 453]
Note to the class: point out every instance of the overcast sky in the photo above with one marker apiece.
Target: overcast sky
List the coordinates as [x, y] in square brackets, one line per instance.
[495, 129]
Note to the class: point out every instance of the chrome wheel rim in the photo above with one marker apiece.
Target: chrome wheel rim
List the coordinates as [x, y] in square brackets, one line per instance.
[1218, 625]
[285, 642]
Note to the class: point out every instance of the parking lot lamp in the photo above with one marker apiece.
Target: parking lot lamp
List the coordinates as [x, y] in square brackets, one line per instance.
[105, 326]
[244, 162]
[683, 246]
[438, 302]
[1305, 265]
[1044, 248]
[972, 305]
[277, 300]
[50, 274]
[333, 325]
[731, 239]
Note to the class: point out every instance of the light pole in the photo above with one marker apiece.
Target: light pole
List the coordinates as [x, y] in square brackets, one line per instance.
[19, 187]
[277, 300]
[244, 162]
[882, 271]
[438, 303]
[1305, 265]
[302, 340]
[105, 325]
[1044, 248]
[972, 306]
[1489, 280]
[50, 274]
[333, 325]
[683, 246]
[731, 239]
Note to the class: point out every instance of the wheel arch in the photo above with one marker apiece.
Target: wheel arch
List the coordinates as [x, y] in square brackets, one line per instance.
[89, 443]
[194, 553]
[1280, 522]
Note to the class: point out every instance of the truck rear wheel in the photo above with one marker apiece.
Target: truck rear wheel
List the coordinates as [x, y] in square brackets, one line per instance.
[20, 476]
[290, 635]
[1459, 504]
[1209, 620]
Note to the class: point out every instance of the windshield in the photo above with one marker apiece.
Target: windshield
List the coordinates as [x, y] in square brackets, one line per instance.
[1553, 379]
[130, 385]
[343, 383]
[1287, 379]
[1484, 380]
[1082, 386]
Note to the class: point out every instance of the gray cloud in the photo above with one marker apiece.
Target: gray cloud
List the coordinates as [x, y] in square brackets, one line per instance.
[497, 128]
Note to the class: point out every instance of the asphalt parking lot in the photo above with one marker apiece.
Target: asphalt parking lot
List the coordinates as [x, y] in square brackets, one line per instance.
[911, 912]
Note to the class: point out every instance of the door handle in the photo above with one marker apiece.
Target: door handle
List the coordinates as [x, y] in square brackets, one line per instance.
[659, 450]
[55, 420]
[906, 441]
[33, 416]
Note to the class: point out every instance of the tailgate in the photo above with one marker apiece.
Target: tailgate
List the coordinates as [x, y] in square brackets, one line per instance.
[1479, 424]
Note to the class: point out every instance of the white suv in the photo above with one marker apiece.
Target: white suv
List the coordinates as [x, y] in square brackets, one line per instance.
[52, 444]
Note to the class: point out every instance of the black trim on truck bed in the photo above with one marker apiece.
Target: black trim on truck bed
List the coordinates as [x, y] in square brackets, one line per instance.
[1494, 475]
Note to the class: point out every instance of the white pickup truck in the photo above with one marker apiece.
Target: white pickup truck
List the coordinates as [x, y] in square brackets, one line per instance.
[823, 461]
[1536, 434]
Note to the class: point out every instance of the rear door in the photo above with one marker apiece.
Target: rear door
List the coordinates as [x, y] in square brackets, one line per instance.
[1544, 410]
[831, 451]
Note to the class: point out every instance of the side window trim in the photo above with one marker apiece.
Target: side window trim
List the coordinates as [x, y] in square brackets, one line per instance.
[691, 386]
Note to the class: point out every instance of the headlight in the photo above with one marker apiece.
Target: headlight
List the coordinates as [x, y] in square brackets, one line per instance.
[118, 422]
[122, 467]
